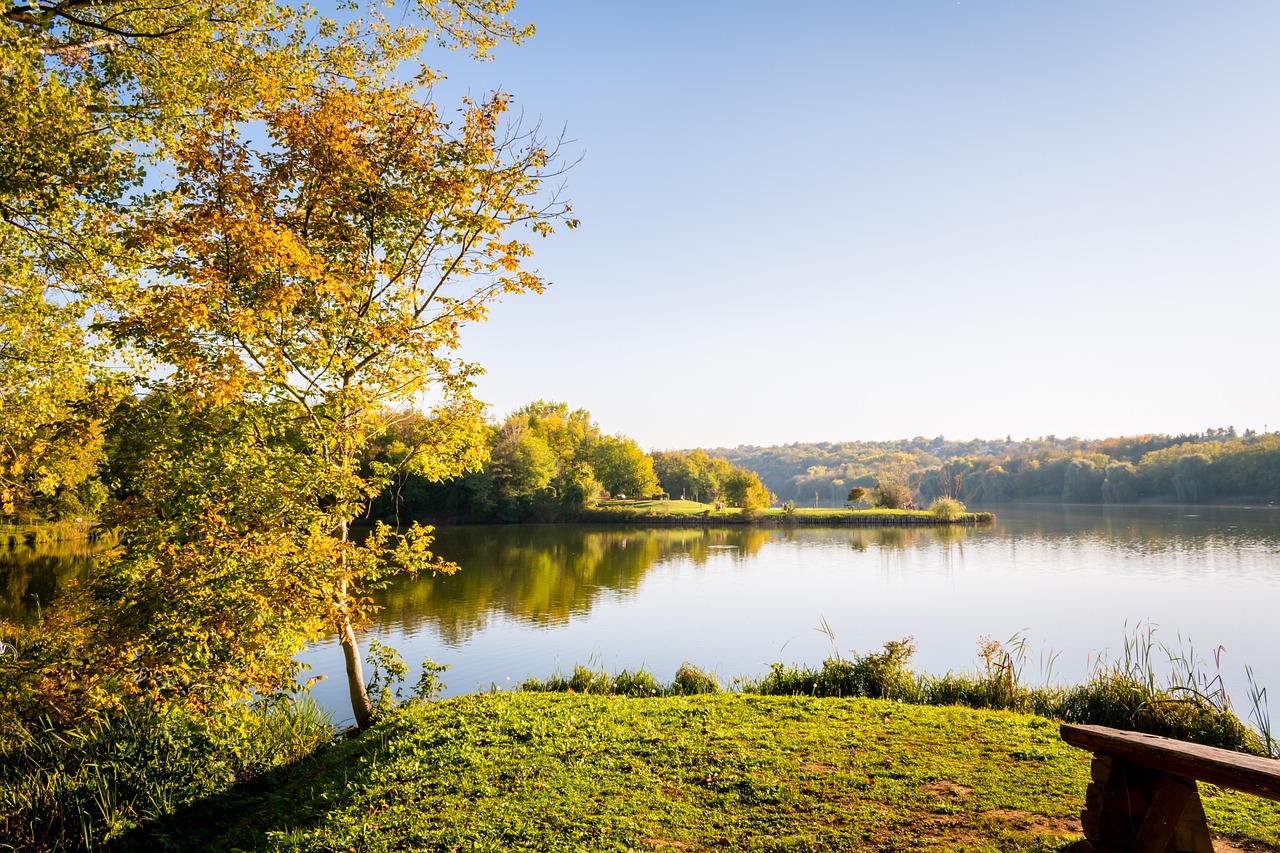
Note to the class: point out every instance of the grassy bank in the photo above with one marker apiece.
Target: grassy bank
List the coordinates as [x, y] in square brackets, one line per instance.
[692, 512]
[860, 753]
[47, 534]
[716, 772]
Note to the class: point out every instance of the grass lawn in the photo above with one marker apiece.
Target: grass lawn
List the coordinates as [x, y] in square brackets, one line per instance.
[539, 771]
[658, 508]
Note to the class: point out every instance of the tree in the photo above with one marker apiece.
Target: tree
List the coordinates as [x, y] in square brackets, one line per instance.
[693, 475]
[993, 485]
[1081, 482]
[95, 93]
[743, 488]
[227, 552]
[570, 433]
[856, 495]
[323, 251]
[623, 468]
[572, 436]
[1192, 478]
[1120, 483]
[891, 493]
[521, 464]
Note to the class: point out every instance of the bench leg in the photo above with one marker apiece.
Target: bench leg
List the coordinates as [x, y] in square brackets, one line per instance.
[1171, 797]
[1132, 808]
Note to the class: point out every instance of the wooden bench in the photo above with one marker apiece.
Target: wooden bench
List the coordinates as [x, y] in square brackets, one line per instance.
[1143, 796]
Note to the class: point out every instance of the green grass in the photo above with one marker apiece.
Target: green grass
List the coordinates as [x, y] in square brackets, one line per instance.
[680, 507]
[1126, 693]
[801, 759]
[658, 507]
[731, 771]
[635, 510]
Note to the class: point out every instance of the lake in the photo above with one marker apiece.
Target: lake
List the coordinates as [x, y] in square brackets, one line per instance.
[1072, 581]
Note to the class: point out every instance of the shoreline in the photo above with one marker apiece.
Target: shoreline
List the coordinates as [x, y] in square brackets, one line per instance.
[831, 518]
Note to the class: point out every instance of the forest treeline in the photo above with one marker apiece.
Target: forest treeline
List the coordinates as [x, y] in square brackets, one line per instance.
[1216, 465]
[543, 462]
[547, 462]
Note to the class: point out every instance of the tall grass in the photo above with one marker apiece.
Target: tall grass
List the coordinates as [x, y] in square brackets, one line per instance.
[78, 789]
[947, 509]
[1187, 702]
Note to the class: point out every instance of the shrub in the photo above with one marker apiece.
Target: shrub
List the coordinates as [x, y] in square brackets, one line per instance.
[691, 680]
[947, 509]
[891, 493]
[429, 683]
[886, 674]
[639, 683]
[586, 680]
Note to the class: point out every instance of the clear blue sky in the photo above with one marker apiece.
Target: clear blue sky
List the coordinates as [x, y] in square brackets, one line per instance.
[866, 220]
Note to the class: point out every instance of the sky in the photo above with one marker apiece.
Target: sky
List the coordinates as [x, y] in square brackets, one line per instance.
[877, 219]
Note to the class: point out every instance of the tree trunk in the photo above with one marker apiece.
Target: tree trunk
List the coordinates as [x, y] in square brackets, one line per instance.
[361, 707]
[360, 704]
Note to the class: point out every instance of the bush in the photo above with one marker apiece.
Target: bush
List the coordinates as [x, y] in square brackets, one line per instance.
[692, 680]
[586, 680]
[947, 509]
[875, 675]
[1124, 695]
[637, 684]
[886, 674]
[891, 493]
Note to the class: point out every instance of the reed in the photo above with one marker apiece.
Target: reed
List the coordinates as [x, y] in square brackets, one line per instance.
[1131, 692]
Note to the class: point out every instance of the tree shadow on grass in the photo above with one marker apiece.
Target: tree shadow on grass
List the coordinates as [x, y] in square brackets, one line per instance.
[279, 801]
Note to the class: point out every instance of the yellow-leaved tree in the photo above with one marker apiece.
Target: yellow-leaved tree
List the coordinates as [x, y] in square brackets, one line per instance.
[255, 221]
[319, 260]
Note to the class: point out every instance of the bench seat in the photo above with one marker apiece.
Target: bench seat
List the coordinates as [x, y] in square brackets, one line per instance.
[1143, 794]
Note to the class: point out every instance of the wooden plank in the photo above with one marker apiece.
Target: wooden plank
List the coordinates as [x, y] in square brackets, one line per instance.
[1172, 796]
[1191, 835]
[1115, 800]
[1109, 830]
[1084, 845]
[1248, 773]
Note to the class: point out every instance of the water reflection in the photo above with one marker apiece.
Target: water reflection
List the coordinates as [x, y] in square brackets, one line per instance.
[31, 578]
[533, 598]
[545, 575]
[1144, 529]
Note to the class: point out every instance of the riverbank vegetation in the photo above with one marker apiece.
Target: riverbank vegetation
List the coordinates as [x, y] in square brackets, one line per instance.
[549, 463]
[1127, 693]
[274, 775]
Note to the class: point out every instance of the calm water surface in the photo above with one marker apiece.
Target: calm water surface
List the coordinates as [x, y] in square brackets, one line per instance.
[1071, 581]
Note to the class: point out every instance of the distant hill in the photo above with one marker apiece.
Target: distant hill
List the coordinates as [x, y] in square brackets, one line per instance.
[1220, 465]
